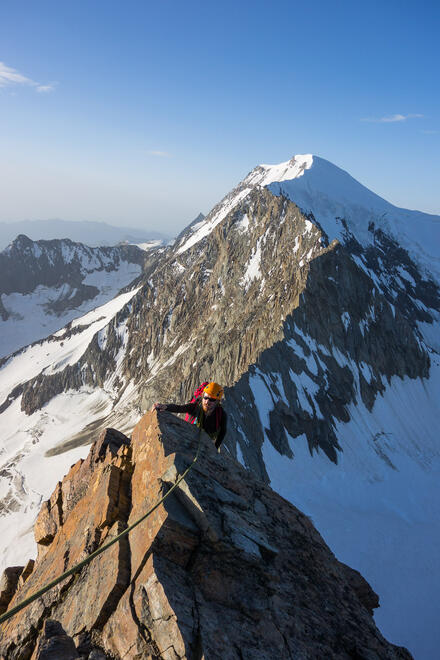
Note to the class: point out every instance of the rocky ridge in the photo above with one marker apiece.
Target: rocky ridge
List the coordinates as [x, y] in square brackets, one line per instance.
[224, 568]
[95, 234]
[266, 296]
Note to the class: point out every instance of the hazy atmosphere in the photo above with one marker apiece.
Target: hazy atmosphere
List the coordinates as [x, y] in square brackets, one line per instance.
[143, 114]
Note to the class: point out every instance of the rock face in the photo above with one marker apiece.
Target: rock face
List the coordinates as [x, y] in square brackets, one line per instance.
[8, 585]
[223, 568]
[54, 644]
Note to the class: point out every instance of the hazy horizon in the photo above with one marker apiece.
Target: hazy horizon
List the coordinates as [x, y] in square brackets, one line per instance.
[138, 228]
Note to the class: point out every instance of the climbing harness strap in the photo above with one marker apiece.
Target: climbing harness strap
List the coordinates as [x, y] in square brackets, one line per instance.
[75, 569]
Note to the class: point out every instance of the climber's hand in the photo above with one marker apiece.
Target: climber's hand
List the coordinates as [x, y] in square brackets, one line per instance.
[158, 406]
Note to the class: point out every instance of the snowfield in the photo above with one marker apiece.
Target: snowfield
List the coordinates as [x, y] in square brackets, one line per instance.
[61, 349]
[378, 508]
[30, 319]
[332, 195]
[29, 476]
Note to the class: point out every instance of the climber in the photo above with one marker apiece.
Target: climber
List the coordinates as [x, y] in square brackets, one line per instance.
[204, 409]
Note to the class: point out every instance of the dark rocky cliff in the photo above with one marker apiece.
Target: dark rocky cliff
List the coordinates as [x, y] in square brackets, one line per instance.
[223, 569]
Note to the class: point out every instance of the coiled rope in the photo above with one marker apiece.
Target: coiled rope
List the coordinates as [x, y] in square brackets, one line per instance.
[75, 569]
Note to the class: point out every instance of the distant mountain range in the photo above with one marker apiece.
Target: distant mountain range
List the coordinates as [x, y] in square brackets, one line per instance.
[90, 233]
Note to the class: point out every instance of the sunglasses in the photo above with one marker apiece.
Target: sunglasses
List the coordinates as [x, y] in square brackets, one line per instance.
[208, 398]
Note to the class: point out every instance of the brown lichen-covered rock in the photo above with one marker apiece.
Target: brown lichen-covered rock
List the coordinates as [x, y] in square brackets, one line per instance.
[110, 440]
[26, 572]
[49, 520]
[223, 568]
[67, 494]
[76, 482]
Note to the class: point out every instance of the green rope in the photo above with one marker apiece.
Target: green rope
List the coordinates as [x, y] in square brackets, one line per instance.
[75, 569]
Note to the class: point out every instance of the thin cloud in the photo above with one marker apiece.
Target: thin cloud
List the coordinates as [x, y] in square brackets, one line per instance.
[45, 89]
[429, 132]
[391, 119]
[160, 154]
[10, 77]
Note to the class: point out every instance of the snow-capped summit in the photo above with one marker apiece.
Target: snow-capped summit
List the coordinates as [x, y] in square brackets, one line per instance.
[338, 202]
[263, 175]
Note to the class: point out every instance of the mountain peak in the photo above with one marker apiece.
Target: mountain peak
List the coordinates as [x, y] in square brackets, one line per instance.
[21, 241]
[343, 207]
[328, 353]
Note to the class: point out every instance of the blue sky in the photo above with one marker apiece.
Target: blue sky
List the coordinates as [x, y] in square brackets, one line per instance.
[144, 113]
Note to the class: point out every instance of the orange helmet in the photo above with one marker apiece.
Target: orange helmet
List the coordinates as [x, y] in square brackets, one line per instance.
[214, 390]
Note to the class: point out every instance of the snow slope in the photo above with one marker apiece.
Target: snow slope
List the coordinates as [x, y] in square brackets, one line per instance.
[378, 507]
[29, 475]
[331, 193]
[60, 349]
[30, 319]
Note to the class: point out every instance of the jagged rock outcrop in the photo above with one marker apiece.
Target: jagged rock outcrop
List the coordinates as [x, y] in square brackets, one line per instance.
[223, 569]
[8, 585]
[54, 643]
[192, 225]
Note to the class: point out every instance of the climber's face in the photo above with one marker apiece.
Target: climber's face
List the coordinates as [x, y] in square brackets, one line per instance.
[208, 404]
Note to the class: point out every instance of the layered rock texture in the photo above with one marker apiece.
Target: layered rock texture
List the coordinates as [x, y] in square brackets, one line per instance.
[224, 568]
